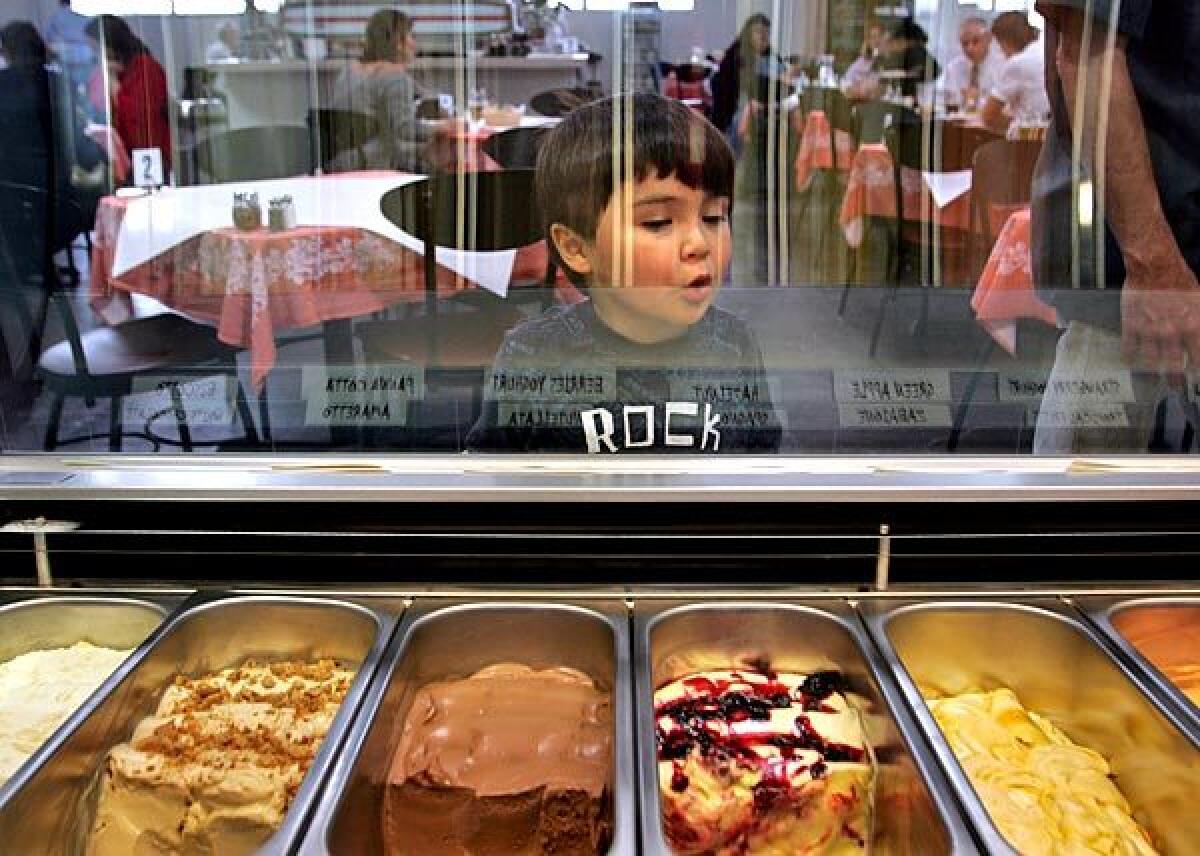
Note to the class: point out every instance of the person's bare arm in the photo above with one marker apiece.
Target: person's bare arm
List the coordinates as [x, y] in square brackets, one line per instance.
[1160, 303]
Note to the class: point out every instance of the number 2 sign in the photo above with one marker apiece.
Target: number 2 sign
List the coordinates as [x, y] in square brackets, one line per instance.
[147, 167]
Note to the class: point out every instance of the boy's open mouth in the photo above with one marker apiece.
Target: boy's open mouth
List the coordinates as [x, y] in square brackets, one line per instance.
[699, 288]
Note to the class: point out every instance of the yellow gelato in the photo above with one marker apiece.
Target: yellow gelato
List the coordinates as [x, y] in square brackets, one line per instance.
[1045, 794]
[753, 762]
[216, 767]
[39, 690]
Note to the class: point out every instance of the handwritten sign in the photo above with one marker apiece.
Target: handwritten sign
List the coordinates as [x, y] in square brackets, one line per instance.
[366, 395]
[894, 415]
[891, 388]
[147, 167]
[206, 401]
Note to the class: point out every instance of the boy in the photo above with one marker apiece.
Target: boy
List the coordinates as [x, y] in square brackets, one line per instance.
[635, 195]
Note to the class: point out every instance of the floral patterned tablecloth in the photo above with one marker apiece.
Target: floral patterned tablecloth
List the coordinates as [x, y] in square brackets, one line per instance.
[254, 284]
[1005, 292]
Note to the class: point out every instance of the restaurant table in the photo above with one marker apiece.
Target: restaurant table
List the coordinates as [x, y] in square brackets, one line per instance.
[1005, 292]
[815, 150]
[254, 284]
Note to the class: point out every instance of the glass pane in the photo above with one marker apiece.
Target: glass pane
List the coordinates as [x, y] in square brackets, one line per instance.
[521, 227]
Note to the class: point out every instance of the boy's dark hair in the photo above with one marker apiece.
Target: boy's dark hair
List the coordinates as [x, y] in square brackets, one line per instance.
[599, 145]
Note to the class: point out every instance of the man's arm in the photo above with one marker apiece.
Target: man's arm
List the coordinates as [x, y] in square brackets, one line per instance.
[1160, 303]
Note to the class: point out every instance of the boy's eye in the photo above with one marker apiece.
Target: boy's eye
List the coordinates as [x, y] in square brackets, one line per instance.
[716, 219]
[656, 224]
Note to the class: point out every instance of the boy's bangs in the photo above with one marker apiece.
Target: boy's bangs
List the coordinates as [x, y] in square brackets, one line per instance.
[683, 146]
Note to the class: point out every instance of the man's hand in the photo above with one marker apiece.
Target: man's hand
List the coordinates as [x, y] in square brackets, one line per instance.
[1160, 319]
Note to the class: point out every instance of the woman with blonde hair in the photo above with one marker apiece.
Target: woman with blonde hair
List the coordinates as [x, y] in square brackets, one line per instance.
[379, 85]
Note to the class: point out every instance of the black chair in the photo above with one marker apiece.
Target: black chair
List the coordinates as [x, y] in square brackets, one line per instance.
[557, 103]
[246, 154]
[456, 348]
[837, 110]
[922, 145]
[104, 363]
[335, 132]
[515, 148]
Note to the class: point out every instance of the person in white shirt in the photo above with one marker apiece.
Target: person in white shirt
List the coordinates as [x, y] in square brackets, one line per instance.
[226, 45]
[972, 76]
[1020, 92]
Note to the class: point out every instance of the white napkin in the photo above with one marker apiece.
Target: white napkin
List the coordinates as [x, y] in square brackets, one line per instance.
[155, 224]
[945, 187]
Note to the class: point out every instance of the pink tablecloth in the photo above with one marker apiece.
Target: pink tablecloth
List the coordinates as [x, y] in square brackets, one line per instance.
[815, 152]
[1005, 292]
[253, 285]
[870, 193]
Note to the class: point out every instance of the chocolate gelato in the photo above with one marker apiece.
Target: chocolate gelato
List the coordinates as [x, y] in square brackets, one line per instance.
[511, 760]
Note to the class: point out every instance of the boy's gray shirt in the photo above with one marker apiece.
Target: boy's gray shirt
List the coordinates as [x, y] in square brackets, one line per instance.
[565, 382]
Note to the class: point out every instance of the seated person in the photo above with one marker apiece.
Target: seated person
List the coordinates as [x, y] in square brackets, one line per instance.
[1020, 91]
[647, 364]
[905, 60]
[970, 77]
[861, 81]
[379, 85]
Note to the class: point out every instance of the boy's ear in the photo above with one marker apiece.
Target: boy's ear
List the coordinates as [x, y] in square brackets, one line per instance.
[572, 249]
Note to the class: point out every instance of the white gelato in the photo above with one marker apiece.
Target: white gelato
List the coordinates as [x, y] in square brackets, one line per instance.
[39, 690]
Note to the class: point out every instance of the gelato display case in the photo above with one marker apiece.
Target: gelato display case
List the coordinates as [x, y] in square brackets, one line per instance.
[353, 660]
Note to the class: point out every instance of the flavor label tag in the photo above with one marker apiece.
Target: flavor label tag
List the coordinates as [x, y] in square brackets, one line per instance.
[558, 384]
[894, 416]
[885, 387]
[373, 394]
[1113, 416]
[1020, 387]
[206, 401]
[1099, 388]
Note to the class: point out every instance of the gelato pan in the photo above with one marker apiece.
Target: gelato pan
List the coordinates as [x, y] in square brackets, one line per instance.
[1044, 793]
[217, 765]
[493, 727]
[767, 728]
[1028, 710]
[39, 690]
[1169, 637]
[53, 810]
[512, 759]
[762, 762]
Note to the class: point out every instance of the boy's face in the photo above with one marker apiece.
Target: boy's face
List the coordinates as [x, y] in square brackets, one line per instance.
[659, 255]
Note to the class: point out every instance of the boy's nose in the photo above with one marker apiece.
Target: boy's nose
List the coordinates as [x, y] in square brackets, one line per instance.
[695, 242]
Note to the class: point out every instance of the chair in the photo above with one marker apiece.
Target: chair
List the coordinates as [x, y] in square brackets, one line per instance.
[557, 103]
[246, 154]
[459, 346]
[922, 146]
[515, 148]
[1001, 177]
[334, 132]
[105, 362]
[837, 110]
